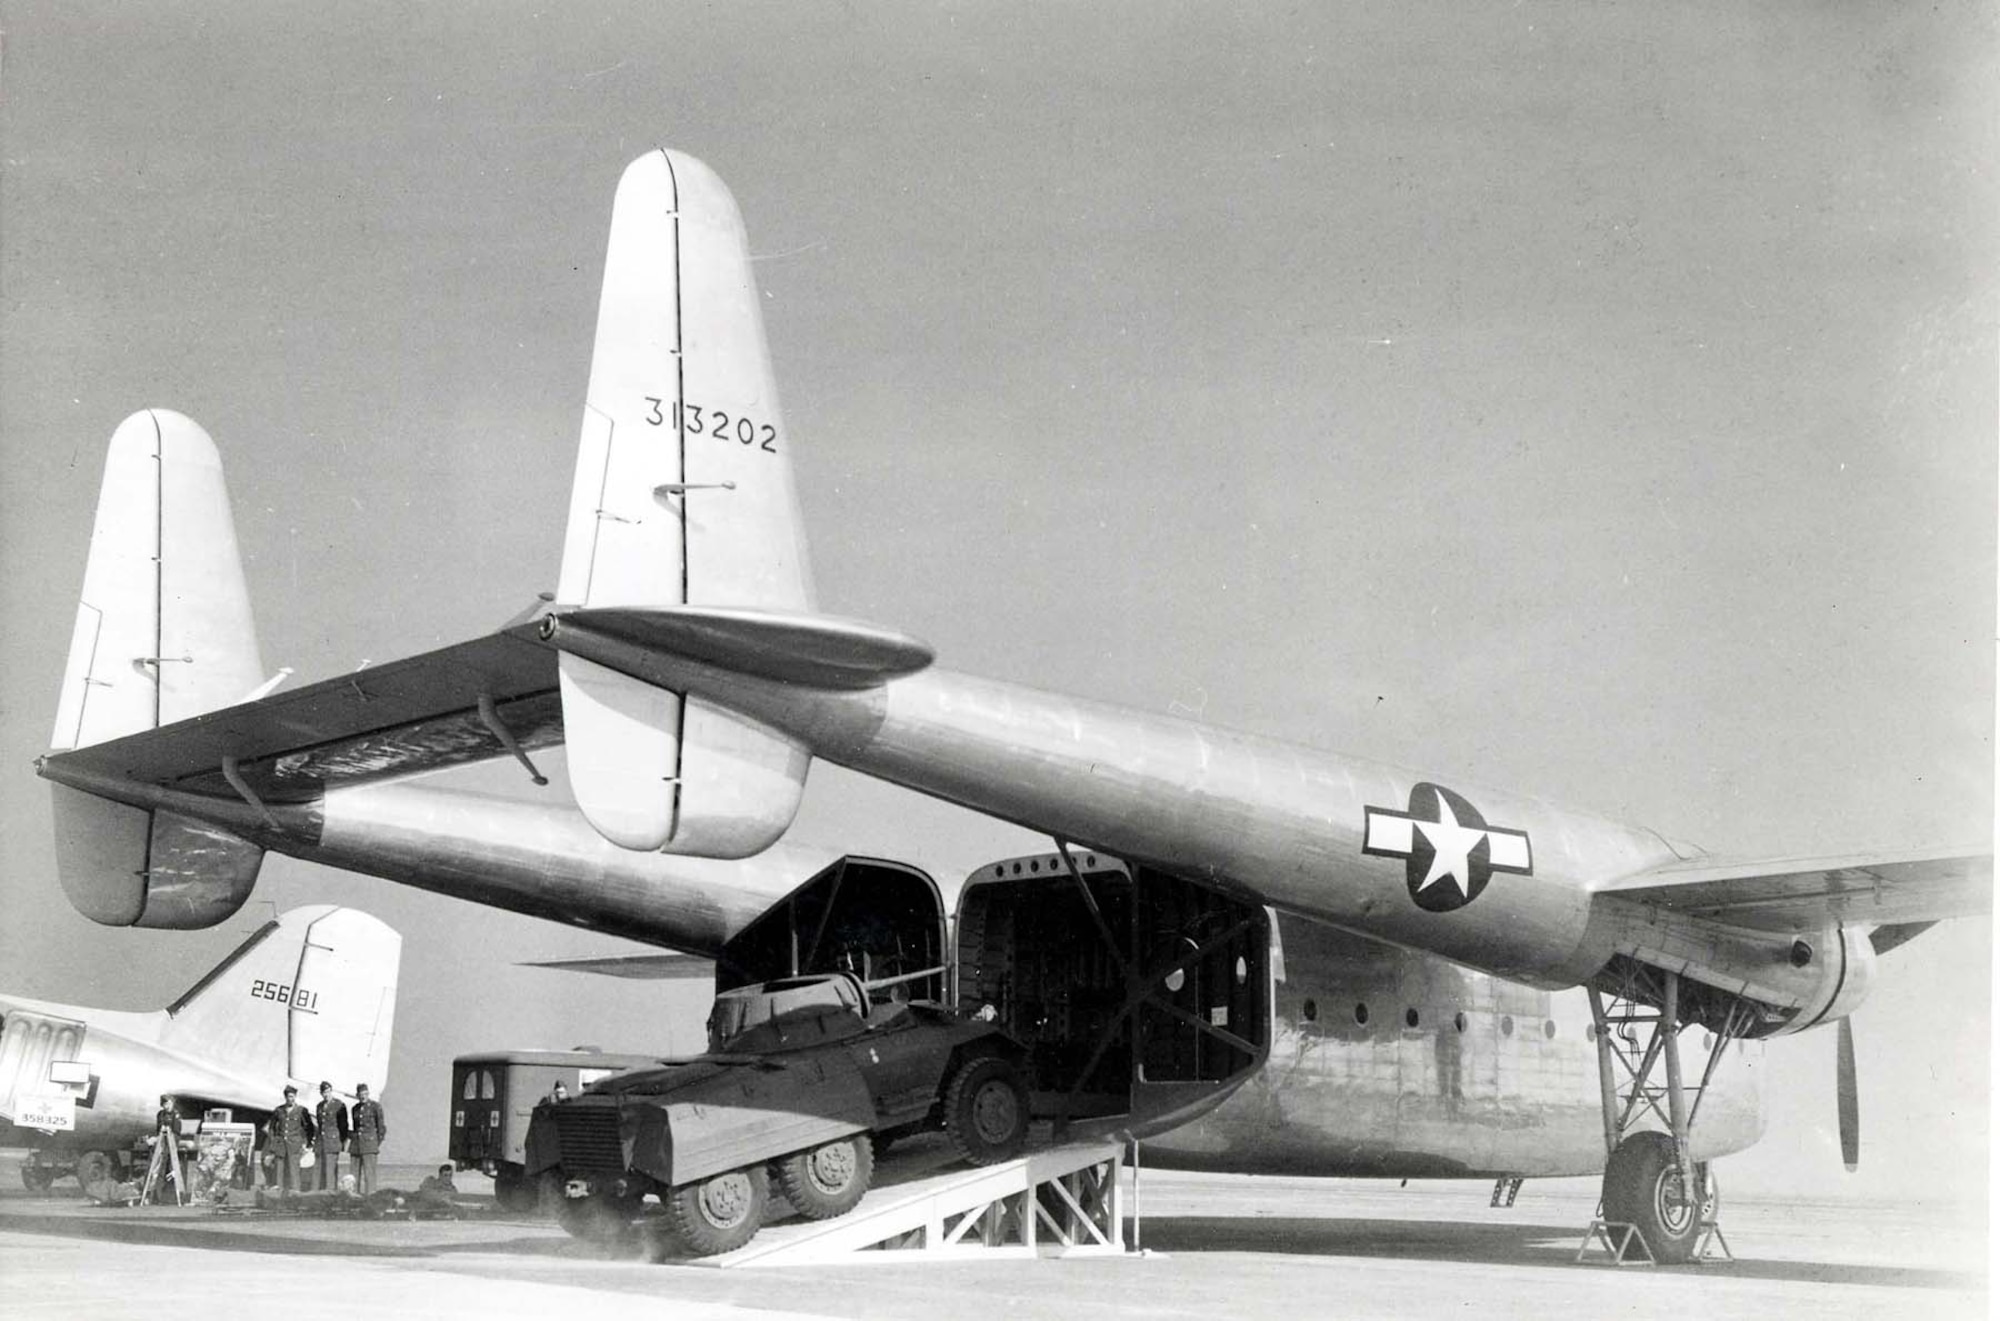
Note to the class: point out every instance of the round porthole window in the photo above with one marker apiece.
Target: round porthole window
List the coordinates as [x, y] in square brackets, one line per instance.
[1361, 1013]
[1176, 979]
[1507, 1026]
[1458, 1021]
[1410, 1018]
[1549, 1029]
[1309, 1010]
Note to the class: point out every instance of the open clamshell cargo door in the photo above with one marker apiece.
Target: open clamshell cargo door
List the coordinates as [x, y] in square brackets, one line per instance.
[1143, 997]
[880, 920]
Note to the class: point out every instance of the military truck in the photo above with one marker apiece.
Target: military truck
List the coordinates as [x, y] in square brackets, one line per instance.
[494, 1093]
[804, 1077]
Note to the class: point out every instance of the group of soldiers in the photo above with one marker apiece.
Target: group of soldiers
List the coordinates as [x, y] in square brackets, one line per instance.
[326, 1130]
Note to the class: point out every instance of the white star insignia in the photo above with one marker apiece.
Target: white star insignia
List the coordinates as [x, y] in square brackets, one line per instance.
[1451, 845]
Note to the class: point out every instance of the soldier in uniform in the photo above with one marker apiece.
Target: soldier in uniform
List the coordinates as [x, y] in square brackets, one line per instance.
[369, 1126]
[330, 1117]
[288, 1135]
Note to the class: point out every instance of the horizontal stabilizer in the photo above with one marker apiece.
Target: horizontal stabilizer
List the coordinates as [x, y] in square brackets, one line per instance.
[1794, 894]
[668, 966]
[813, 651]
[388, 721]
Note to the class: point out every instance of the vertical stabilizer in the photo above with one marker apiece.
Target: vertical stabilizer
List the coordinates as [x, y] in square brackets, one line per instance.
[683, 496]
[312, 996]
[163, 632]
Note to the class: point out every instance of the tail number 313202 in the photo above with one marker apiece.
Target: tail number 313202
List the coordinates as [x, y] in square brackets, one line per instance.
[724, 426]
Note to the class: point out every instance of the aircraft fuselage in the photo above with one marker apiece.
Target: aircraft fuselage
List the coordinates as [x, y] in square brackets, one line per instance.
[1386, 1063]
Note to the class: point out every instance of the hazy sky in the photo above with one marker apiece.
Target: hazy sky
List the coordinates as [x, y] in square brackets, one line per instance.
[1593, 399]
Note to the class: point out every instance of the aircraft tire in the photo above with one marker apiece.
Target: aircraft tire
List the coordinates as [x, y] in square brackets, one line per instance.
[1640, 1189]
[714, 1215]
[986, 1110]
[36, 1177]
[828, 1180]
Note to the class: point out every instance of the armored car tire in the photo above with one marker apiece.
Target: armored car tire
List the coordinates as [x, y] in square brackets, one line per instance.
[604, 1221]
[1640, 1189]
[717, 1214]
[828, 1180]
[515, 1192]
[986, 1110]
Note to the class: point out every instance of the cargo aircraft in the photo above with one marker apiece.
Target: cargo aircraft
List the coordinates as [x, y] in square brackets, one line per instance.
[310, 996]
[1253, 954]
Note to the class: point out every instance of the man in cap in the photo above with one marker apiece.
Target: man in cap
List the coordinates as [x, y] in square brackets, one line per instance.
[330, 1118]
[287, 1135]
[369, 1126]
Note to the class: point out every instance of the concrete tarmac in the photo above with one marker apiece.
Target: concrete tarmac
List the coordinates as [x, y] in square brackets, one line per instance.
[1217, 1246]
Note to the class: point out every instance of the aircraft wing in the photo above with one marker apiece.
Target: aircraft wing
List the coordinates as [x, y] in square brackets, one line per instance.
[1888, 889]
[399, 718]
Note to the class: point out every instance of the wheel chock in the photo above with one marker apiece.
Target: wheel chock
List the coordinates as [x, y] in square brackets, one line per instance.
[1711, 1239]
[1619, 1239]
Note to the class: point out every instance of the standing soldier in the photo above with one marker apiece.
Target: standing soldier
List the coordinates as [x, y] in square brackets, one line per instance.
[369, 1126]
[289, 1133]
[330, 1116]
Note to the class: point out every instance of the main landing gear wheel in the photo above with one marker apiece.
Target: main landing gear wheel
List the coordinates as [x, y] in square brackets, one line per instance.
[827, 1181]
[986, 1110]
[718, 1214]
[36, 1177]
[1642, 1189]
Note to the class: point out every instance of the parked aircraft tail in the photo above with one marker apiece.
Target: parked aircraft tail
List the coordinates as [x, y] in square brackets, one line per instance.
[683, 497]
[311, 996]
[163, 632]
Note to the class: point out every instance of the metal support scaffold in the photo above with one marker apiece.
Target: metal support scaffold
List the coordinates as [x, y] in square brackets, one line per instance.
[1059, 1202]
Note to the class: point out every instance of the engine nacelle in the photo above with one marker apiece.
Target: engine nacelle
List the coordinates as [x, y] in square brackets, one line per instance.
[1844, 958]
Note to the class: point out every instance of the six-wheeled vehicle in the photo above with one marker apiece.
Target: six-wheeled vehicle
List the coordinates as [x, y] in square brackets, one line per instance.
[804, 1078]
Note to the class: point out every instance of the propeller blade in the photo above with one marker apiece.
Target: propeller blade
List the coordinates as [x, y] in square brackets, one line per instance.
[1850, 1100]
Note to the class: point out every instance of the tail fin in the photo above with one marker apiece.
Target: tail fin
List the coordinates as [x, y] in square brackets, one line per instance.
[683, 496]
[163, 632]
[312, 996]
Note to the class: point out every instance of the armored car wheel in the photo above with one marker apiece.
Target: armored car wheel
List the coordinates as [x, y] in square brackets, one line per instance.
[604, 1221]
[986, 1110]
[515, 1192]
[717, 1214]
[1640, 1188]
[827, 1181]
